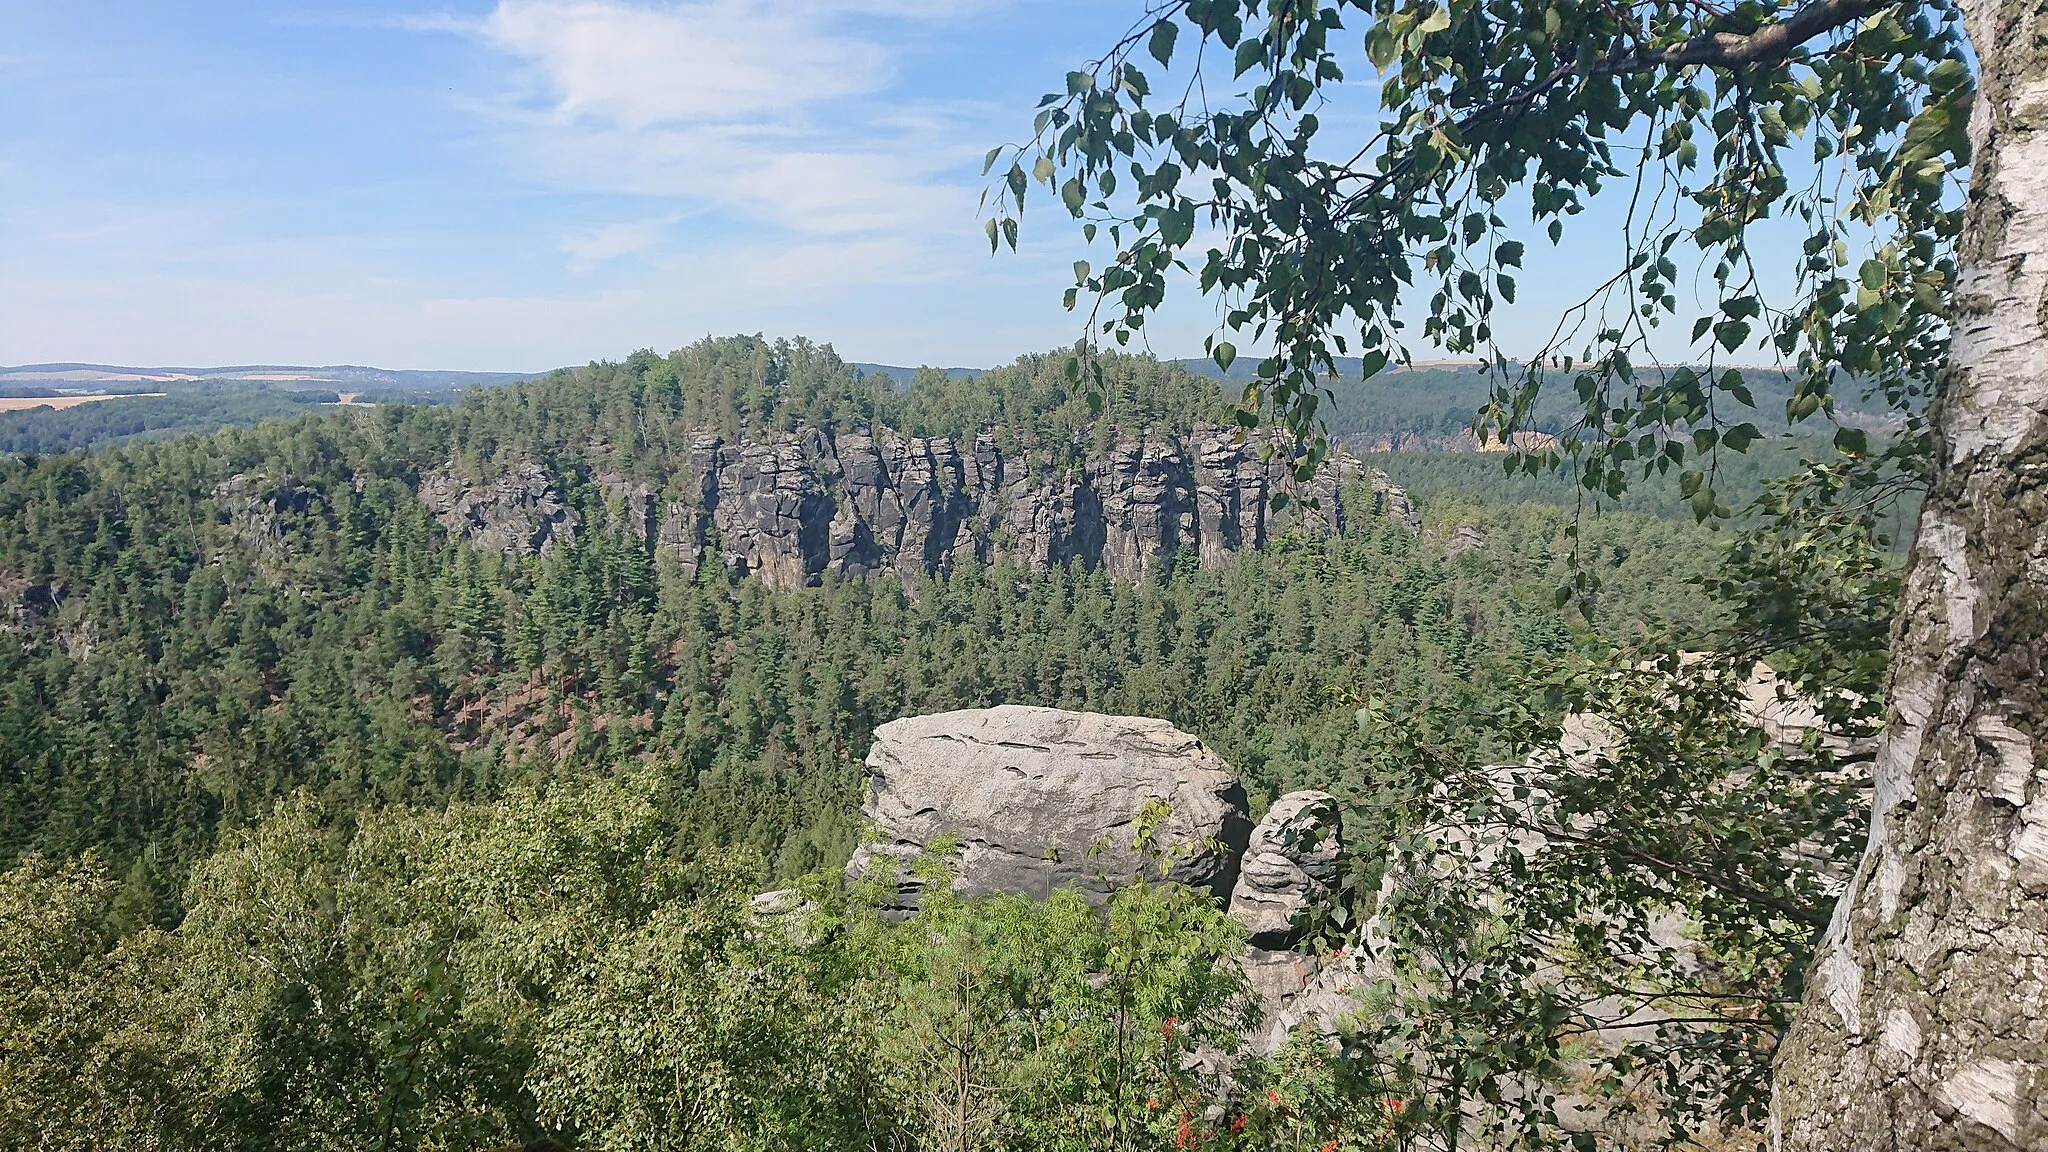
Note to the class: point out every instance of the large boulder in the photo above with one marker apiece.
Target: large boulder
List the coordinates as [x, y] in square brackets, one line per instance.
[1040, 798]
[1290, 861]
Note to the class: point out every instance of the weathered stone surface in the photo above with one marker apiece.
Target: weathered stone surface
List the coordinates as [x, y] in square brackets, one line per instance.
[255, 507]
[1290, 860]
[520, 514]
[1039, 798]
[793, 508]
[1468, 538]
[29, 603]
[630, 504]
[1296, 990]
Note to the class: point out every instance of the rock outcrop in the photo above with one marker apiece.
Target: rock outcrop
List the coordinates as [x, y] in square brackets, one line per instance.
[792, 507]
[519, 514]
[45, 611]
[1468, 538]
[256, 509]
[1035, 799]
[1290, 860]
[1039, 798]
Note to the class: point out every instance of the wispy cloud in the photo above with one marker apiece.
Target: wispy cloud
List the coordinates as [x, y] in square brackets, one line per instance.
[590, 248]
[784, 116]
[724, 61]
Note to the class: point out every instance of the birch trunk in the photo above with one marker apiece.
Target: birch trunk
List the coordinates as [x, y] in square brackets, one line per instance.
[1925, 1022]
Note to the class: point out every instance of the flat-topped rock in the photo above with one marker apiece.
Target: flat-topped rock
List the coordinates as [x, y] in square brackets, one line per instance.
[1040, 798]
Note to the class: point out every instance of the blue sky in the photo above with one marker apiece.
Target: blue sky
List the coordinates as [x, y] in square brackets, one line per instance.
[516, 184]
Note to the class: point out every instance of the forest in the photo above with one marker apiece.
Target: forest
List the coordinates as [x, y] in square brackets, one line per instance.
[186, 410]
[329, 827]
[168, 677]
[478, 775]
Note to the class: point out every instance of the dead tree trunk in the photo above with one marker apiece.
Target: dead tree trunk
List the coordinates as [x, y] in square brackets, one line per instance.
[1925, 1023]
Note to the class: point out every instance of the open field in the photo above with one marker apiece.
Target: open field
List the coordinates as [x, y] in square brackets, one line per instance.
[24, 403]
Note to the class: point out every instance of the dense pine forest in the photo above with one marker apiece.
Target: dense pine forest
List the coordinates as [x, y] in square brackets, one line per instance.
[172, 668]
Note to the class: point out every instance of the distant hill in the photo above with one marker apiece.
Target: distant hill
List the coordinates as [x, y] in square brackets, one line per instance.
[902, 376]
[332, 377]
[1429, 406]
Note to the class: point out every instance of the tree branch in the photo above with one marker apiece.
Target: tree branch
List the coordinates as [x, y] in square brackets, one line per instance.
[1767, 45]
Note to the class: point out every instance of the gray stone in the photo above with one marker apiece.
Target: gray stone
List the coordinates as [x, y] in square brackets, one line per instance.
[1040, 798]
[257, 510]
[794, 507]
[518, 514]
[1468, 538]
[1291, 859]
[1296, 990]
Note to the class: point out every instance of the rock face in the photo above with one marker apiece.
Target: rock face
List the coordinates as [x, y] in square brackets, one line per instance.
[791, 507]
[1468, 538]
[1039, 798]
[520, 514]
[1290, 860]
[255, 508]
[1294, 989]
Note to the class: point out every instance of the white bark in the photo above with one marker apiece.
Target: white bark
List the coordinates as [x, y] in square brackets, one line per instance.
[1925, 1022]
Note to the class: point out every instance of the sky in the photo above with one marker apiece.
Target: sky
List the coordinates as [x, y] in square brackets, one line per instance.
[511, 185]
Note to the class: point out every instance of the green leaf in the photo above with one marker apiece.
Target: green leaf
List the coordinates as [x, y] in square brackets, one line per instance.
[1226, 352]
[1851, 441]
[1703, 504]
[1161, 44]
[1177, 225]
[1074, 196]
[1081, 270]
[1380, 47]
[1437, 20]
[1250, 55]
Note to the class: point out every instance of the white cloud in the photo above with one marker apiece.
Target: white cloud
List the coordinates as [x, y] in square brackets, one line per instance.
[721, 60]
[588, 248]
[783, 118]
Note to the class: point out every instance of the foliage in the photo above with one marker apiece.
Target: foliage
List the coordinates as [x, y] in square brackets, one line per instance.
[562, 968]
[193, 664]
[1621, 920]
[411, 845]
[1526, 908]
[201, 409]
[1315, 240]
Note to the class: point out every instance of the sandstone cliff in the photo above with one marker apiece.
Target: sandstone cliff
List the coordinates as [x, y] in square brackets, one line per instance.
[790, 507]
